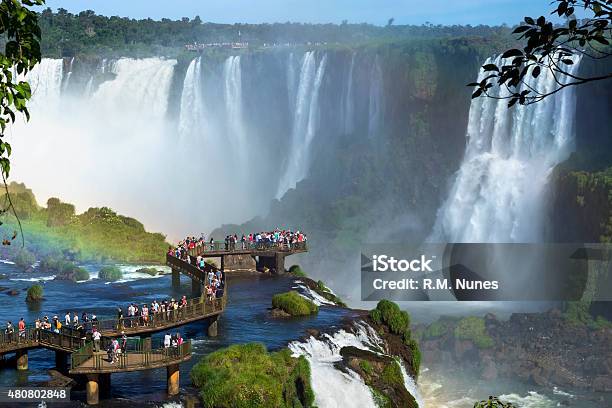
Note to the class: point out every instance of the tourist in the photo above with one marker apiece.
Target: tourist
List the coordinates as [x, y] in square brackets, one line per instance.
[96, 339]
[123, 342]
[9, 331]
[167, 340]
[21, 326]
[67, 319]
[110, 352]
[75, 319]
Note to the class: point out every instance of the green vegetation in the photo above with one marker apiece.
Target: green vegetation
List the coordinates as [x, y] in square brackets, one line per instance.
[20, 35]
[392, 374]
[577, 314]
[35, 293]
[366, 366]
[390, 314]
[80, 274]
[247, 375]
[97, 235]
[324, 291]
[473, 328]
[296, 270]
[149, 271]
[24, 258]
[85, 33]
[110, 273]
[292, 303]
[55, 263]
[398, 322]
[435, 330]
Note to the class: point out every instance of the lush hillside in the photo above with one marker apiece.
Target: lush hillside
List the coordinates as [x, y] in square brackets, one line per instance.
[98, 234]
[66, 34]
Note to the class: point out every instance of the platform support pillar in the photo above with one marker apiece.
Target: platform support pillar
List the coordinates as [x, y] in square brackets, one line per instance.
[173, 375]
[93, 389]
[22, 360]
[212, 327]
[176, 279]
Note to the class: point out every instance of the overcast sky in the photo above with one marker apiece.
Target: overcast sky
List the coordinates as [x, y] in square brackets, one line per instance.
[473, 12]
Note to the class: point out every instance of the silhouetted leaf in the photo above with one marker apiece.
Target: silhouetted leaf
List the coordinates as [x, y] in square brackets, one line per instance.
[490, 67]
[536, 71]
[512, 53]
[477, 93]
[520, 29]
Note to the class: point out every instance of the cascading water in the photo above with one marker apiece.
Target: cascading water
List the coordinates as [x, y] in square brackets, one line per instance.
[375, 99]
[305, 121]
[46, 83]
[349, 103]
[232, 76]
[192, 100]
[333, 387]
[499, 190]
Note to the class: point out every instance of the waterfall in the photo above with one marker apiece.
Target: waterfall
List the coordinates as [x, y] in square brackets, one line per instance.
[498, 192]
[291, 82]
[68, 75]
[192, 100]
[375, 99]
[140, 85]
[349, 103]
[333, 387]
[45, 81]
[305, 121]
[232, 79]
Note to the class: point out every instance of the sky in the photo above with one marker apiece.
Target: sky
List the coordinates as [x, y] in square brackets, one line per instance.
[447, 12]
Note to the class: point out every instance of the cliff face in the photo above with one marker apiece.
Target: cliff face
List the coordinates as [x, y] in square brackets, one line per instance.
[540, 348]
[581, 188]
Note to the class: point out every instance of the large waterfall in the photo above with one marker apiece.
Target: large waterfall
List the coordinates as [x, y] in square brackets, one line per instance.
[499, 191]
[305, 122]
[125, 132]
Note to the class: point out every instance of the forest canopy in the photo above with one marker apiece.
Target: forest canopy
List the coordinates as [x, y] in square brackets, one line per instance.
[86, 33]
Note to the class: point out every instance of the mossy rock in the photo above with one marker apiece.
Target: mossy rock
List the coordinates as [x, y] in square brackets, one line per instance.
[296, 270]
[473, 328]
[295, 305]
[247, 375]
[110, 274]
[149, 271]
[35, 293]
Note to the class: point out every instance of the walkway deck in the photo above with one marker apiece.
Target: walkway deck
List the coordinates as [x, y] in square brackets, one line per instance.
[218, 249]
[97, 362]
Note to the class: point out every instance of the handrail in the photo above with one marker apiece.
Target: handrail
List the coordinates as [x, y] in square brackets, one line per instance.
[33, 337]
[205, 247]
[132, 359]
[194, 308]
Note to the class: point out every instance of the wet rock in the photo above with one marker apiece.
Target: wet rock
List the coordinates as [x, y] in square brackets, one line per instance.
[602, 384]
[279, 313]
[12, 292]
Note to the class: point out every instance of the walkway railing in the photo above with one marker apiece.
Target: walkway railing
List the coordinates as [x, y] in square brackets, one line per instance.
[195, 308]
[247, 246]
[67, 339]
[86, 360]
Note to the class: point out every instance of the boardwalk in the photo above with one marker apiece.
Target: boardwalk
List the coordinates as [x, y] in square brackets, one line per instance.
[87, 361]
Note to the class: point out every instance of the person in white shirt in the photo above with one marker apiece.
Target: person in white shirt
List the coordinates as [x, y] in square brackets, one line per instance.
[167, 340]
[67, 319]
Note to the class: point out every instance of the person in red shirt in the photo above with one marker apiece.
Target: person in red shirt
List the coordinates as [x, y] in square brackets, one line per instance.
[22, 327]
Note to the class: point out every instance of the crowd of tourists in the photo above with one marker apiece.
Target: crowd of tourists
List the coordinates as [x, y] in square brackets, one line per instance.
[281, 238]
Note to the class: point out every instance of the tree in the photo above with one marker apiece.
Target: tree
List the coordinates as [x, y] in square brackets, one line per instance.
[19, 27]
[550, 48]
[390, 22]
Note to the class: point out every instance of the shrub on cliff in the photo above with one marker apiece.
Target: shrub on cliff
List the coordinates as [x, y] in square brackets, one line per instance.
[390, 314]
[324, 291]
[246, 375]
[292, 303]
[473, 328]
[35, 293]
[80, 274]
[110, 273]
[296, 270]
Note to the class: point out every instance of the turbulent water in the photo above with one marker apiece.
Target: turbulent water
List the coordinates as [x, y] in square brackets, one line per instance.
[138, 134]
[499, 191]
[332, 387]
